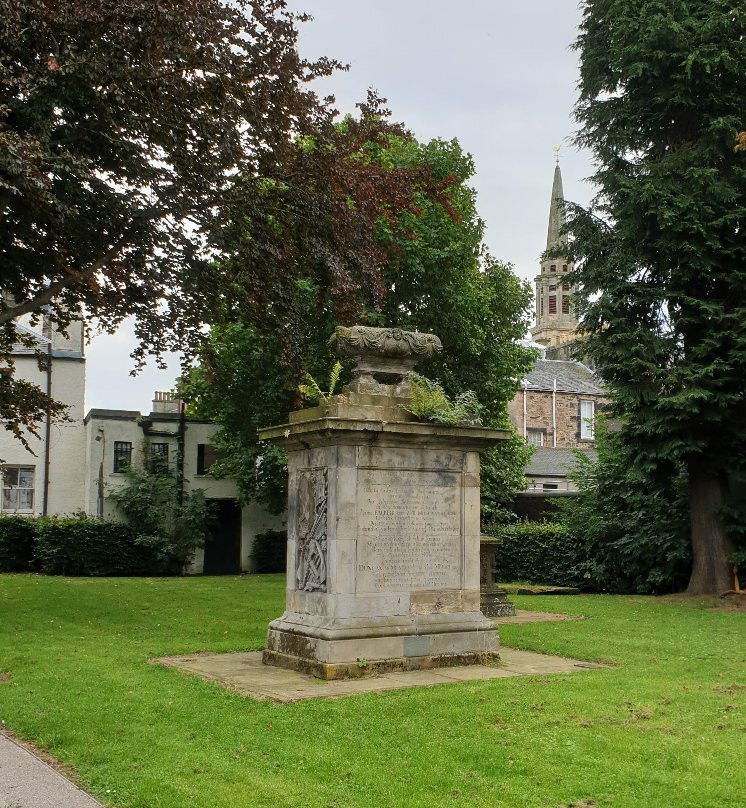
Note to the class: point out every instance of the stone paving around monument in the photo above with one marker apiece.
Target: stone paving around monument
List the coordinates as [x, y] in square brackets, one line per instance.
[245, 673]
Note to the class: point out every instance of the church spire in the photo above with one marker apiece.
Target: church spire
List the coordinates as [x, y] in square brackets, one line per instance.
[555, 318]
[556, 213]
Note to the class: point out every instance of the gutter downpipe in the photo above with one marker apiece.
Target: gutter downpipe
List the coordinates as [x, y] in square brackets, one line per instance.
[100, 482]
[47, 432]
[180, 449]
[523, 385]
[554, 413]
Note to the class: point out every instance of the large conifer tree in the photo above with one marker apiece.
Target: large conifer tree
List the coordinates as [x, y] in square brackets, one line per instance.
[662, 259]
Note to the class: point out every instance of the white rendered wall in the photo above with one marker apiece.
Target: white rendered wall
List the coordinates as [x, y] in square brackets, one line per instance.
[67, 470]
[104, 430]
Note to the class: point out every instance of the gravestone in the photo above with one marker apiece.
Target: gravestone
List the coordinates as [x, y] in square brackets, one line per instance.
[383, 525]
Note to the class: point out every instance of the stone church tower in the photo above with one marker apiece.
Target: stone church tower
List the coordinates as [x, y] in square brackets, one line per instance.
[555, 319]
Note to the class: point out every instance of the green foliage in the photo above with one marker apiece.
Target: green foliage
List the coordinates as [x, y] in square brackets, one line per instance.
[107, 197]
[631, 523]
[111, 201]
[170, 523]
[501, 476]
[429, 402]
[661, 259]
[427, 399]
[435, 278]
[269, 552]
[311, 391]
[17, 536]
[93, 547]
[624, 531]
[539, 552]
[234, 388]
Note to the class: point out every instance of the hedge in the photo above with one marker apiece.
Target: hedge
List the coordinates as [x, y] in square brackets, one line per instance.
[92, 547]
[269, 551]
[539, 552]
[82, 546]
[17, 538]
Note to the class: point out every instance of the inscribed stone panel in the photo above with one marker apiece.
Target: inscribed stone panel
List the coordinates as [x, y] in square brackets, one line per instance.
[409, 530]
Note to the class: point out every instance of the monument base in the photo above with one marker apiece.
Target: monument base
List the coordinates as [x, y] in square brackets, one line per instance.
[494, 602]
[359, 650]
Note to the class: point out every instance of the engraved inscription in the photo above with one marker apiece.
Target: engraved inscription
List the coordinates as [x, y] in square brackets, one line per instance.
[409, 530]
[436, 459]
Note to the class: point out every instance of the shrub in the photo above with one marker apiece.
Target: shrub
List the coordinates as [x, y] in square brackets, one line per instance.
[81, 546]
[17, 537]
[170, 525]
[269, 551]
[630, 517]
[539, 552]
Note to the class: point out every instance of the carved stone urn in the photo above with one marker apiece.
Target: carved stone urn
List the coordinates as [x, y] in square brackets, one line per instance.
[383, 525]
[382, 354]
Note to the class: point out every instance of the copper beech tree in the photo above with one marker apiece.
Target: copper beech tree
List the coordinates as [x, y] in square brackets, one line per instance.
[129, 132]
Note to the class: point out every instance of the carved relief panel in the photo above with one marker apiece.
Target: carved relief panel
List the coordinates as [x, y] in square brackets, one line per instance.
[311, 549]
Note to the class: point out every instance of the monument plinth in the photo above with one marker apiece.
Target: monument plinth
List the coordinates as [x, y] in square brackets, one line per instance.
[383, 526]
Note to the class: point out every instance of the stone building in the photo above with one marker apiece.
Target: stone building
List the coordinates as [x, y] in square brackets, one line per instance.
[75, 464]
[555, 408]
[117, 439]
[555, 318]
[554, 411]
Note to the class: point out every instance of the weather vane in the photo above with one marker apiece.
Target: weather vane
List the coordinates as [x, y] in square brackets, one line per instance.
[556, 150]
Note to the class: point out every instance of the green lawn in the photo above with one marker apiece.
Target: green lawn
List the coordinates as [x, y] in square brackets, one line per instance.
[665, 727]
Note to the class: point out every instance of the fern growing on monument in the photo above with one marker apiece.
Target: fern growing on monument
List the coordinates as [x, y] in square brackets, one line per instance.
[428, 402]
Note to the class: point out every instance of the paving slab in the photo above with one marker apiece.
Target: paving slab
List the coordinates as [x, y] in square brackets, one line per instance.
[28, 782]
[246, 674]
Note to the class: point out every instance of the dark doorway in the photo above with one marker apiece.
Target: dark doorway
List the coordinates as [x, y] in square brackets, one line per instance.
[223, 542]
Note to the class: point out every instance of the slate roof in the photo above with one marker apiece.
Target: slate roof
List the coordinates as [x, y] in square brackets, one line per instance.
[572, 377]
[40, 342]
[547, 461]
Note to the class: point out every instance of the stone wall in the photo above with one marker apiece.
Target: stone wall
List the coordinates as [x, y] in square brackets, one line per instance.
[539, 415]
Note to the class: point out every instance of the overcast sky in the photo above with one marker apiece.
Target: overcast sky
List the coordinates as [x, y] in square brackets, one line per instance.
[497, 75]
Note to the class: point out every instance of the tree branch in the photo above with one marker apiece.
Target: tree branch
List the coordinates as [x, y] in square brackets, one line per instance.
[49, 293]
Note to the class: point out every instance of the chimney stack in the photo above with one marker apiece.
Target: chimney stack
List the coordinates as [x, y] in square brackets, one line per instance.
[166, 402]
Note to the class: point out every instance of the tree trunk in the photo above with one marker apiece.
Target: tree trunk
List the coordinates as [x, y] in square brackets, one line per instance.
[711, 572]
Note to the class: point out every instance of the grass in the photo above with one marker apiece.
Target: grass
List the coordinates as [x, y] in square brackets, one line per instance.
[665, 727]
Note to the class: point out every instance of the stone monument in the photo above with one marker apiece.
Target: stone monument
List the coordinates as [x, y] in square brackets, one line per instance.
[383, 525]
[493, 599]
